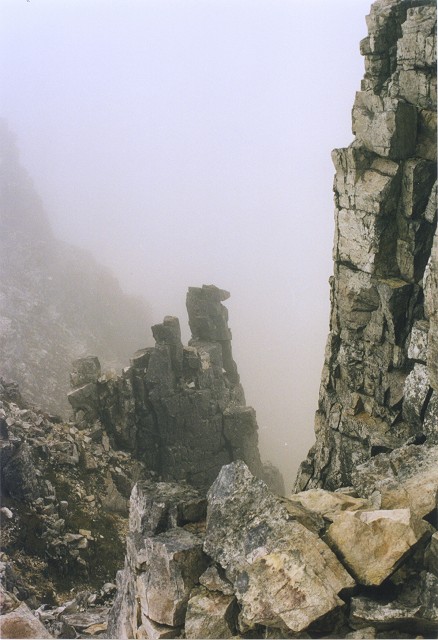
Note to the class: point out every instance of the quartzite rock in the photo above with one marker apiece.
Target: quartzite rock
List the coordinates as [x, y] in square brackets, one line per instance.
[163, 561]
[210, 615]
[173, 562]
[328, 503]
[372, 544]
[405, 478]
[283, 574]
[381, 355]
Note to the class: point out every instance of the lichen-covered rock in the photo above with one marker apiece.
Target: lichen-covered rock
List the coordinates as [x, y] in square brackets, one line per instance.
[210, 615]
[405, 478]
[173, 562]
[329, 504]
[283, 574]
[180, 410]
[431, 310]
[381, 357]
[372, 544]
[158, 506]
[214, 579]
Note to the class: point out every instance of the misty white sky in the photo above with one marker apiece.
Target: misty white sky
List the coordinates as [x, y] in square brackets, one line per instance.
[187, 142]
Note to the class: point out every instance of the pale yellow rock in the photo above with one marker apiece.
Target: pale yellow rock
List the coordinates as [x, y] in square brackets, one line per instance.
[328, 503]
[292, 585]
[373, 543]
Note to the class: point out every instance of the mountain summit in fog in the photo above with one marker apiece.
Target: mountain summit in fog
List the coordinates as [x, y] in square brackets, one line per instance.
[56, 302]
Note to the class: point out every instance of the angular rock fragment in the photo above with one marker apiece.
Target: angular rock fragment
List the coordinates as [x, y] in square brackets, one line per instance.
[211, 615]
[430, 284]
[385, 125]
[431, 555]
[405, 478]
[158, 506]
[213, 580]
[85, 371]
[283, 574]
[329, 503]
[372, 544]
[416, 395]
[151, 630]
[21, 623]
[414, 610]
[173, 562]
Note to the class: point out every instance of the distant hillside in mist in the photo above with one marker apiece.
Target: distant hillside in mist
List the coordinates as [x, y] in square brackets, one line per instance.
[56, 302]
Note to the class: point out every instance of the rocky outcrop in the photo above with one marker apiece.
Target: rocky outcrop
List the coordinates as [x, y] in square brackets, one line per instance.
[246, 563]
[56, 302]
[64, 503]
[179, 409]
[379, 383]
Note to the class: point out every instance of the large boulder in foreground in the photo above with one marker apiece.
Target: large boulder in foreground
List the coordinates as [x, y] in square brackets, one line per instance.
[372, 544]
[284, 575]
[21, 623]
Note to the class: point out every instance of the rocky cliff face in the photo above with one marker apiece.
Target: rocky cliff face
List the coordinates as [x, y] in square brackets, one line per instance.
[355, 554]
[379, 383]
[56, 302]
[179, 409]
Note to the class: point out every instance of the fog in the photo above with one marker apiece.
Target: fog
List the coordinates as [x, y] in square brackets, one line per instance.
[187, 142]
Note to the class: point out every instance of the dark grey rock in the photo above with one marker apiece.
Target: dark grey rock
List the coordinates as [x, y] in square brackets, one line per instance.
[84, 371]
[414, 610]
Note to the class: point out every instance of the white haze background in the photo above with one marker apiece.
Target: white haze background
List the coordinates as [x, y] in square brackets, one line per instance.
[186, 142]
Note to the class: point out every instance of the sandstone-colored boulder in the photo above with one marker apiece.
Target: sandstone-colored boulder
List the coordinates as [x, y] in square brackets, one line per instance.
[21, 623]
[329, 503]
[372, 544]
[284, 575]
[211, 615]
[174, 560]
[150, 630]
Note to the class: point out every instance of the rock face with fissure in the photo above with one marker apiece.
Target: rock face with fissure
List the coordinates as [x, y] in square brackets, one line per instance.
[179, 409]
[379, 383]
[353, 553]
